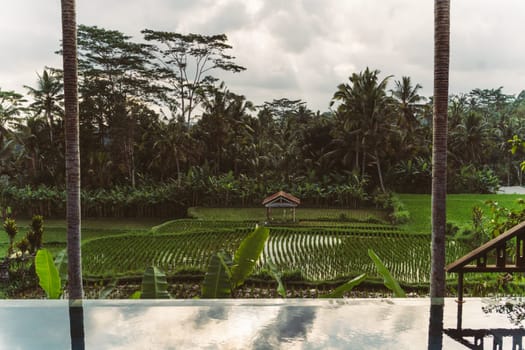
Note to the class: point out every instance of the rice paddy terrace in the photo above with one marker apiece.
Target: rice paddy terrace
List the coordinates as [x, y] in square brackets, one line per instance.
[316, 250]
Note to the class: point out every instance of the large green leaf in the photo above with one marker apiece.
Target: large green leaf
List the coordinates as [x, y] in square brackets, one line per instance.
[217, 283]
[390, 282]
[154, 284]
[48, 277]
[348, 286]
[247, 255]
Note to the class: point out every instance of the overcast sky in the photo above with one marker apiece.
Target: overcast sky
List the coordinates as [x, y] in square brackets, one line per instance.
[292, 48]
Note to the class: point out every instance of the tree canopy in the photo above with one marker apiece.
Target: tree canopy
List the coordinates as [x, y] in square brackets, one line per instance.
[151, 112]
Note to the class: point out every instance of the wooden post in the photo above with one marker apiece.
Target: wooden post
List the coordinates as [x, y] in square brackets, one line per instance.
[460, 287]
[520, 253]
[460, 300]
[501, 255]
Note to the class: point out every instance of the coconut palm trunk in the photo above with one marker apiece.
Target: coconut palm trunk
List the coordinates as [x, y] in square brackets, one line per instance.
[439, 141]
[69, 44]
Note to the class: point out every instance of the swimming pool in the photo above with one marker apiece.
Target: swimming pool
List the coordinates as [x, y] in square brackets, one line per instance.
[256, 324]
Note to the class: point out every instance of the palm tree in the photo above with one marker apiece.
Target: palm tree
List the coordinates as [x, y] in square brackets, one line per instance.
[469, 138]
[69, 44]
[366, 105]
[224, 123]
[439, 150]
[171, 148]
[408, 98]
[48, 97]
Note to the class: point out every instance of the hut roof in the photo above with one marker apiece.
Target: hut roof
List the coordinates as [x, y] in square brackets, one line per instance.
[281, 194]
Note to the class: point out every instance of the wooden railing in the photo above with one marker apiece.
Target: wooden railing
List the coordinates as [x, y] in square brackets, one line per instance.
[495, 252]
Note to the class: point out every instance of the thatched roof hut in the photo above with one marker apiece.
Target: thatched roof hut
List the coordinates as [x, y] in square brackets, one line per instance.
[280, 199]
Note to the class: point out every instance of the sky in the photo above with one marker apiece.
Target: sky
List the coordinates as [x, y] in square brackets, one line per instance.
[298, 49]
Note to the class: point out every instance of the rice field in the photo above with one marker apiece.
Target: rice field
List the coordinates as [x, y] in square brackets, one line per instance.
[316, 253]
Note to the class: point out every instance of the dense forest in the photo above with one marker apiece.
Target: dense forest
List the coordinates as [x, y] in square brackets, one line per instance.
[159, 130]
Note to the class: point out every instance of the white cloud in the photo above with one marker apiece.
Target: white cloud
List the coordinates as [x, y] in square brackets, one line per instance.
[294, 48]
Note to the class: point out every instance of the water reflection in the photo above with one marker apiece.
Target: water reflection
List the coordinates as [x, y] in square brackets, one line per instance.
[291, 325]
[435, 327]
[206, 315]
[379, 324]
[76, 325]
[33, 325]
[475, 338]
[502, 338]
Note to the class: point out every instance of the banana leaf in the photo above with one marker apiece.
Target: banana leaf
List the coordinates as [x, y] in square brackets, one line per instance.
[154, 284]
[61, 264]
[217, 281]
[389, 281]
[48, 277]
[348, 286]
[277, 275]
[247, 255]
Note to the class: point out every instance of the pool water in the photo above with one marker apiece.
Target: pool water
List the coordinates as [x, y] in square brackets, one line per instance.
[258, 324]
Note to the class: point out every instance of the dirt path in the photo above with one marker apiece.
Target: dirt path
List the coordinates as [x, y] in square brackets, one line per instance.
[511, 190]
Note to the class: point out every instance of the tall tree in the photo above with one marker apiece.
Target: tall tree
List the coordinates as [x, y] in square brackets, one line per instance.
[439, 141]
[69, 44]
[115, 80]
[185, 62]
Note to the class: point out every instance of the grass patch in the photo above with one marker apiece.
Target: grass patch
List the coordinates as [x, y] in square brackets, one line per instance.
[306, 214]
[459, 208]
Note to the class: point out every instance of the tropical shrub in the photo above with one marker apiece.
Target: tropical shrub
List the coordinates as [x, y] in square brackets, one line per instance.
[469, 179]
[11, 229]
[172, 198]
[35, 235]
[411, 176]
[398, 214]
[23, 245]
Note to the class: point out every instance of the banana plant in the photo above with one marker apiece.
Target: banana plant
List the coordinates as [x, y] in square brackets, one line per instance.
[277, 275]
[247, 255]
[217, 281]
[223, 276]
[154, 284]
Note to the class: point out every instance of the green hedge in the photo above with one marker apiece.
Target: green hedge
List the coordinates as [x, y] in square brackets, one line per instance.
[173, 198]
